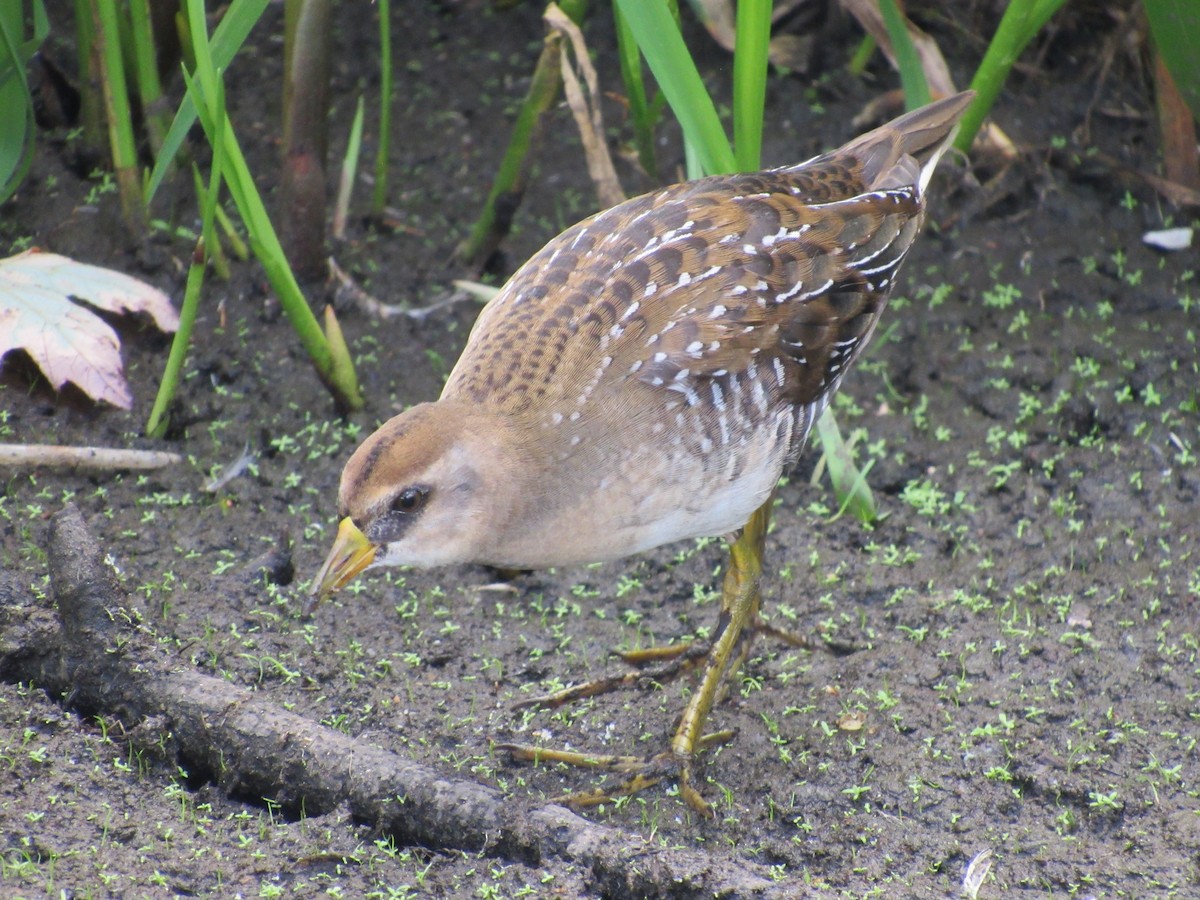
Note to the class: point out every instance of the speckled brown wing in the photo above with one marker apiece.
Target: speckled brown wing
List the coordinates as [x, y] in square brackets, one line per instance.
[794, 290]
[700, 284]
[553, 321]
[779, 274]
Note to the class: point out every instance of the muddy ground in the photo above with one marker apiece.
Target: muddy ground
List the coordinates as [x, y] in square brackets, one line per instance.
[1022, 623]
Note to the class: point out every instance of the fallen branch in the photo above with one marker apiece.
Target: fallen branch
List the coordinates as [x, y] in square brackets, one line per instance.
[92, 458]
[111, 663]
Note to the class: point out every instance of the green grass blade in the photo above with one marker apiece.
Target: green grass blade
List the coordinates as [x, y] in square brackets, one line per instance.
[383, 146]
[861, 56]
[908, 61]
[641, 112]
[156, 425]
[16, 104]
[509, 182]
[226, 41]
[213, 249]
[263, 239]
[1022, 20]
[145, 69]
[750, 81]
[341, 207]
[336, 374]
[658, 36]
[849, 484]
[1175, 25]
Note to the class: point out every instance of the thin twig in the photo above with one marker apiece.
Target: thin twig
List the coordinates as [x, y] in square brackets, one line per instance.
[350, 290]
[91, 458]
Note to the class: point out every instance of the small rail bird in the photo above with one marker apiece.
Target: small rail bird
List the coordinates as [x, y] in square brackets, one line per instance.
[646, 378]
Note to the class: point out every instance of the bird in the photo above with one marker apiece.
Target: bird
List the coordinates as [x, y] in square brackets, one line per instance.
[647, 378]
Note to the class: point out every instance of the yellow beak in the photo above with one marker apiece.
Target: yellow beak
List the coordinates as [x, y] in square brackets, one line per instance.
[350, 554]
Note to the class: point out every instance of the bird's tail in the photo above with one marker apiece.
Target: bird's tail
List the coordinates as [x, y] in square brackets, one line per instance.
[906, 150]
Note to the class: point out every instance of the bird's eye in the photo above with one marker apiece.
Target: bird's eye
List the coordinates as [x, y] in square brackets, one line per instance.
[410, 500]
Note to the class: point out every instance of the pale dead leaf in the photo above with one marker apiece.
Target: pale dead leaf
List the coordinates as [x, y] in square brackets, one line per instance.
[789, 51]
[937, 73]
[991, 139]
[587, 115]
[69, 342]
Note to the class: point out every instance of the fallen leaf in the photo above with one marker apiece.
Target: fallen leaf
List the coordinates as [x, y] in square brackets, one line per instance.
[852, 721]
[67, 341]
[937, 72]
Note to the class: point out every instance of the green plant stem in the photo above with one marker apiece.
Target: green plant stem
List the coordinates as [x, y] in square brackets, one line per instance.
[380, 195]
[662, 44]
[146, 71]
[862, 55]
[120, 120]
[908, 61]
[208, 233]
[91, 103]
[849, 483]
[227, 39]
[156, 425]
[184, 30]
[341, 205]
[508, 187]
[1021, 21]
[509, 184]
[751, 46]
[641, 113]
[204, 88]
[236, 245]
[339, 353]
[266, 247]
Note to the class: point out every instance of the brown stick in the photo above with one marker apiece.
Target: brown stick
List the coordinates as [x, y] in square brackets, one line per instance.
[91, 458]
[115, 665]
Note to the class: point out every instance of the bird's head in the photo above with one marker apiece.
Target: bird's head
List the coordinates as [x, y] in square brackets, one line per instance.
[412, 494]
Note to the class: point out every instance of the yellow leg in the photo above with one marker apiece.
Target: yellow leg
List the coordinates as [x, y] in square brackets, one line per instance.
[643, 773]
[740, 602]
[655, 666]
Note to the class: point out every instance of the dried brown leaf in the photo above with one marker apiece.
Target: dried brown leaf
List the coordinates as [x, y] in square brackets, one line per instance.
[587, 115]
[67, 341]
[937, 73]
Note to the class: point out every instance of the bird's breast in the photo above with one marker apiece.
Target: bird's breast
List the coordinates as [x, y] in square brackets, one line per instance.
[627, 478]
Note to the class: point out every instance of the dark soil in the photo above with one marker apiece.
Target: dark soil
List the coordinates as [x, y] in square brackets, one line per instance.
[1019, 668]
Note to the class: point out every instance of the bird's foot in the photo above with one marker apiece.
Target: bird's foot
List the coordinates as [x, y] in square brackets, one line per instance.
[813, 642]
[640, 773]
[652, 666]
